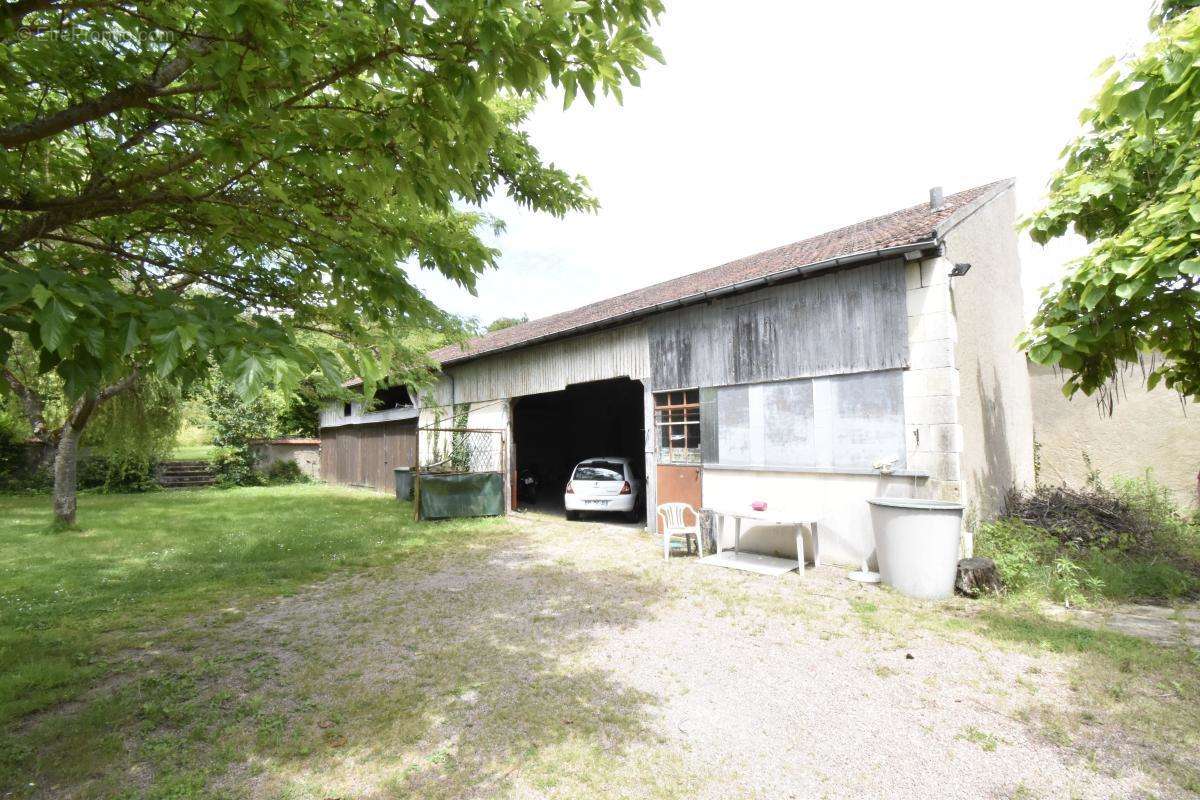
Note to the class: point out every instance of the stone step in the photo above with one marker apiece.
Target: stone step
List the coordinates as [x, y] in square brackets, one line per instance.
[186, 484]
[185, 474]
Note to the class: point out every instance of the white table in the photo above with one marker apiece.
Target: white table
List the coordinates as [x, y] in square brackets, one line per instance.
[753, 562]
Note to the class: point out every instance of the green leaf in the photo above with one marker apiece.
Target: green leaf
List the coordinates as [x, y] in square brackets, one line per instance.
[1042, 353]
[41, 295]
[1190, 267]
[1092, 296]
[1132, 104]
[132, 340]
[1104, 66]
[53, 321]
[1125, 291]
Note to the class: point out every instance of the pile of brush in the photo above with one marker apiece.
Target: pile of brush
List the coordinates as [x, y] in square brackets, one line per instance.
[1089, 517]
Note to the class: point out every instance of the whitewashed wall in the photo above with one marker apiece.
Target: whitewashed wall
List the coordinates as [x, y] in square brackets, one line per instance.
[306, 454]
[839, 502]
[995, 407]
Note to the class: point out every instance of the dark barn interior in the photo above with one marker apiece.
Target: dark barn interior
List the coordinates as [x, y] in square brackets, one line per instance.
[555, 431]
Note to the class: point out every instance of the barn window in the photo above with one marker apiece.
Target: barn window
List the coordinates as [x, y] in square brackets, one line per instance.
[392, 397]
[677, 426]
[347, 409]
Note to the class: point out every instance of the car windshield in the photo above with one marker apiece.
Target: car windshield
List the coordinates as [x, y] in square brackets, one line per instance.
[600, 471]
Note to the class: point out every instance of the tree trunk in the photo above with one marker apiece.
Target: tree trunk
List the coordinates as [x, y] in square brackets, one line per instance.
[65, 459]
[66, 439]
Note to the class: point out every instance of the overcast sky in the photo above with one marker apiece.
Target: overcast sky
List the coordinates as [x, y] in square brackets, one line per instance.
[774, 120]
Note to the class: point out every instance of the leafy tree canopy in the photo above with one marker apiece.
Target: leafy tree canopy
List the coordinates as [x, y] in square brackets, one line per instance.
[500, 323]
[182, 181]
[1131, 185]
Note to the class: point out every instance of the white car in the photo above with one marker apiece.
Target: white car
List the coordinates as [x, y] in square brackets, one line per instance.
[603, 484]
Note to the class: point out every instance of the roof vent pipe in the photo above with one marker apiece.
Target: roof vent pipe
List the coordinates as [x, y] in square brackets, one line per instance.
[936, 198]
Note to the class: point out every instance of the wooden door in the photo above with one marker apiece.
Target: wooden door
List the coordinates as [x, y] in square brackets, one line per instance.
[365, 455]
[679, 484]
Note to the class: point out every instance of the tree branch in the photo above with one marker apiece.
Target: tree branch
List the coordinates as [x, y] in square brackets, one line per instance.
[138, 94]
[31, 403]
[341, 72]
[85, 406]
[119, 252]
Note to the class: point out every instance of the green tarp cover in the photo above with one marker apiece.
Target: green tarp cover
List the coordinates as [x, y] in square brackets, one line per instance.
[474, 494]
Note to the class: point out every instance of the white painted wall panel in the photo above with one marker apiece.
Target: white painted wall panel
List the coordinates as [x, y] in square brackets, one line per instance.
[839, 502]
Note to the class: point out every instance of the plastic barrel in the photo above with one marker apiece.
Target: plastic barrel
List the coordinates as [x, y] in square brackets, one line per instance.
[916, 544]
[404, 483]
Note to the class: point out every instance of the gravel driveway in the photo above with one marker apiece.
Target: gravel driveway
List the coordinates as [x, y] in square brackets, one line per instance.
[573, 662]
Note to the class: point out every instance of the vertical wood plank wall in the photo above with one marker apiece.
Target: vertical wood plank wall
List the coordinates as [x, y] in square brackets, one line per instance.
[842, 322]
[365, 455]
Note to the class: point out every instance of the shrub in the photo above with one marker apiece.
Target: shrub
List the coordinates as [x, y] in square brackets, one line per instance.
[116, 475]
[285, 472]
[1120, 542]
[236, 466]
[236, 424]
[16, 472]
[13, 467]
[1021, 552]
[1174, 535]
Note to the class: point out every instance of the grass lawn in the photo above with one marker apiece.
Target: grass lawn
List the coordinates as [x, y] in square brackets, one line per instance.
[301, 643]
[193, 452]
[83, 608]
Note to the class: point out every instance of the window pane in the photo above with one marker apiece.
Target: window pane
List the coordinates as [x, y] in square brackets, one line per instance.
[788, 424]
[868, 418]
[600, 471]
[733, 424]
[677, 415]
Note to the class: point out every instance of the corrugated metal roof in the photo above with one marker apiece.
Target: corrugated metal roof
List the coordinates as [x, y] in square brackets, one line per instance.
[914, 225]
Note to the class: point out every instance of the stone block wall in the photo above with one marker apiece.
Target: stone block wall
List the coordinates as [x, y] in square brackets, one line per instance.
[933, 432]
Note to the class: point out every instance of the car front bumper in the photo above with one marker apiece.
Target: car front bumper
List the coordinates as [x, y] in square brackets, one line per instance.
[608, 502]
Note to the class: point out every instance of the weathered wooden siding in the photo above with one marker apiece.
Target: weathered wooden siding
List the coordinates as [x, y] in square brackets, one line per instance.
[620, 352]
[365, 455]
[833, 324]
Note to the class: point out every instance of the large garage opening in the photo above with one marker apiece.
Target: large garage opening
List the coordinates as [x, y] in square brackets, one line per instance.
[553, 432]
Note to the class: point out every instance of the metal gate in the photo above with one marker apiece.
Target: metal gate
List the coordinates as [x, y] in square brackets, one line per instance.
[460, 473]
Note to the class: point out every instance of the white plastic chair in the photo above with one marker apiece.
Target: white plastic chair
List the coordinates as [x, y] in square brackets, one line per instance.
[672, 526]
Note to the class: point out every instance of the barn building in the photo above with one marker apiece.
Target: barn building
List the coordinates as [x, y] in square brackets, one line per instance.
[876, 359]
